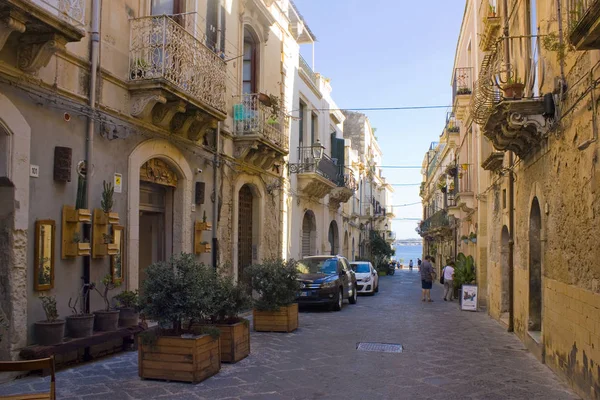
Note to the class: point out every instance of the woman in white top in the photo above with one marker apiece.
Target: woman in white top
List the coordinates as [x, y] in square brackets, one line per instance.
[448, 273]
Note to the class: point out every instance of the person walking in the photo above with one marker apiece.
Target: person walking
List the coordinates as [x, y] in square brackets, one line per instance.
[427, 277]
[410, 265]
[448, 273]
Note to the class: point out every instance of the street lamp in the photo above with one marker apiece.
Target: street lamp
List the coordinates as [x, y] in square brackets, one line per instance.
[386, 228]
[317, 150]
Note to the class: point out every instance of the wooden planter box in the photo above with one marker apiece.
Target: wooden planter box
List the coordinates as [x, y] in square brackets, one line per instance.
[283, 320]
[177, 359]
[235, 341]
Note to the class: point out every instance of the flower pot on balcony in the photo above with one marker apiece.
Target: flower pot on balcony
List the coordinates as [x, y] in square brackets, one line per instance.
[264, 99]
[513, 90]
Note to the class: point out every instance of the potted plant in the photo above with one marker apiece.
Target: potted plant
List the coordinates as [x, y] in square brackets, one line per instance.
[230, 300]
[107, 202]
[442, 186]
[463, 90]
[464, 272]
[464, 238]
[452, 171]
[128, 305]
[513, 89]
[175, 295]
[473, 237]
[265, 99]
[80, 324]
[106, 320]
[52, 330]
[276, 285]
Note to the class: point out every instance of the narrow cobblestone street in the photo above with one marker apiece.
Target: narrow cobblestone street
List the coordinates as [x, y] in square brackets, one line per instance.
[448, 354]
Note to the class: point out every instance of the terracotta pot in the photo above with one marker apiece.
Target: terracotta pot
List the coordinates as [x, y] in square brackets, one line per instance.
[79, 326]
[107, 321]
[265, 99]
[50, 333]
[513, 90]
[128, 317]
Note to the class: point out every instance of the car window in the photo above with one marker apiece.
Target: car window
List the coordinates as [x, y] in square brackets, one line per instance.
[361, 268]
[318, 266]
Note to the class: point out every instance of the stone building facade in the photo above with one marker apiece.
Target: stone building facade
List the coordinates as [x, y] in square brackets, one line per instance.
[186, 107]
[532, 111]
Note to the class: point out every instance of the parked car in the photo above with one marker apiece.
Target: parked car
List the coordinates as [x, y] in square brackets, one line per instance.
[367, 279]
[326, 280]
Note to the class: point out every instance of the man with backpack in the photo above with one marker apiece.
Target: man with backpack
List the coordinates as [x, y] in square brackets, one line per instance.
[447, 278]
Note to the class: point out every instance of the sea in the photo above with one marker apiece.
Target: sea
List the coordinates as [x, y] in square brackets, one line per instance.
[406, 253]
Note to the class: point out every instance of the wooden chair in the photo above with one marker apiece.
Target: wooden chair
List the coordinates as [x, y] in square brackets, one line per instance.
[33, 365]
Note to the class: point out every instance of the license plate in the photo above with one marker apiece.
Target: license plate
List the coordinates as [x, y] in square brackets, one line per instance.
[304, 294]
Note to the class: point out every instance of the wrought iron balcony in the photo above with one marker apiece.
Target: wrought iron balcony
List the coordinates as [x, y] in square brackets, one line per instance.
[176, 80]
[438, 223]
[506, 101]
[312, 77]
[262, 119]
[346, 186]
[462, 88]
[317, 173]
[43, 26]
[493, 160]
[584, 24]
[452, 124]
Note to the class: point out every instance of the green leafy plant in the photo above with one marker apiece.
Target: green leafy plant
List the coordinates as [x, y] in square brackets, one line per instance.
[128, 299]
[206, 330]
[464, 238]
[230, 300]
[276, 282]
[381, 251]
[109, 285]
[49, 306]
[463, 90]
[472, 236]
[178, 291]
[464, 272]
[107, 197]
[108, 238]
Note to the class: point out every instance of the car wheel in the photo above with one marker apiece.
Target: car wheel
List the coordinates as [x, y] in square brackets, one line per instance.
[354, 296]
[337, 306]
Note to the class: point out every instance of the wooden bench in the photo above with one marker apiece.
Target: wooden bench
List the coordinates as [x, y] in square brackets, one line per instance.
[32, 365]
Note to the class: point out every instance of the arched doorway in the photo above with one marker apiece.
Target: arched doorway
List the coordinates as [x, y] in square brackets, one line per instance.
[158, 182]
[245, 229]
[346, 246]
[309, 234]
[504, 271]
[535, 267]
[334, 238]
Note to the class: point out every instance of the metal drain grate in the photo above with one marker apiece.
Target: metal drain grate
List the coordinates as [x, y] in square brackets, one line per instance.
[379, 347]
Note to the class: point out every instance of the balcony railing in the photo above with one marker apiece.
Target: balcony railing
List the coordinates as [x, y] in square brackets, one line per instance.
[312, 76]
[452, 123]
[326, 166]
[347, 179]
[437, 221]
[162, 50]
[253, 117]
[465, 179]
[462, 84]
[583, 18]
[71, 11]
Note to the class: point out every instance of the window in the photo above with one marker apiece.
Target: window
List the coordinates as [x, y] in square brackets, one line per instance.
[503, 198]
[250, 65]
[301, 123]
[212, 26]
[169, 7]
[313, 127]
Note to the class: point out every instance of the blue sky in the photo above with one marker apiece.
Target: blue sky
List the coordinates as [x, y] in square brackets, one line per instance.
[390, 53]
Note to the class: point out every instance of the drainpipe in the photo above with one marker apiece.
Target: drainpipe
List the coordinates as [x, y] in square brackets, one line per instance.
[216, 162]
[94, 56]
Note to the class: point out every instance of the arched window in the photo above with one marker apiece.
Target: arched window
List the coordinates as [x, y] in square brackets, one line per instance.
[535, 267]
[250, 64]
[334, 242]
[309, 234]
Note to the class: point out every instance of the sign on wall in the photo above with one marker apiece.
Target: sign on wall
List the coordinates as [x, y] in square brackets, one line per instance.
[118, 183]
[468, 300]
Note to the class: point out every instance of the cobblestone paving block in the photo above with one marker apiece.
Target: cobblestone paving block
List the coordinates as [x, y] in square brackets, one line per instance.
[448, 354]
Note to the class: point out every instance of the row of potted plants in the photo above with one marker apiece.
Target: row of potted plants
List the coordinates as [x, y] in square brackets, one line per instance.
[471, 238]
[198, 312]
[81, 324]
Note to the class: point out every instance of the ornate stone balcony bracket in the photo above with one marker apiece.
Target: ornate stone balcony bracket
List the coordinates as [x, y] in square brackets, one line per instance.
[517, 126]
[494, 161]
[10, 22]
[35, 51]
[256, 152]
[339, 195]
[162, 114]
[181, 123]
[142, 103]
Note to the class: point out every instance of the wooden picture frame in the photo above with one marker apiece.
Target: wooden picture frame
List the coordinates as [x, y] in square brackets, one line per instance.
[117, 261]
[44, 254]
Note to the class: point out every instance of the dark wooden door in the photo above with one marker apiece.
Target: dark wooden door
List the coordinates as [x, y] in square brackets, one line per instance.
[245, 200]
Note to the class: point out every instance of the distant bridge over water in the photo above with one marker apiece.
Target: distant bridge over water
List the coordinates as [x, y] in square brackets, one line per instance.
[408, 242]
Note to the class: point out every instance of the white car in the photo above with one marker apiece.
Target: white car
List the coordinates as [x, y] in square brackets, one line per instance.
[367, 279]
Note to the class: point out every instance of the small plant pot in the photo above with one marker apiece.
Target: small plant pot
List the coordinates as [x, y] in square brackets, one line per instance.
[513, 90]
[50, 333]
[79, 326]
[107, 321]
[128, 317]
[264, 99]
[474, 240]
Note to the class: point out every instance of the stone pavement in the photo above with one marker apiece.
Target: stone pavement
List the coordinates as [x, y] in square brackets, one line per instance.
[448, 354]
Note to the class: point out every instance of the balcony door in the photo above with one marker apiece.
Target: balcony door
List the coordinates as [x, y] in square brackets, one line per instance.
[168, 7]
[250, 63]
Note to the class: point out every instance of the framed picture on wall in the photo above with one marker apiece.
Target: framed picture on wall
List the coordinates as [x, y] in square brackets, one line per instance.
[468, 298]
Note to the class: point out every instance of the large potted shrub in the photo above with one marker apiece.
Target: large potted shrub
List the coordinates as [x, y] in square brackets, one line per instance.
[128, 305]
[107, 319]
[176, 295]
[464, 273]
[230, 300]
[276, 285]
[52, 330]
[80, 324]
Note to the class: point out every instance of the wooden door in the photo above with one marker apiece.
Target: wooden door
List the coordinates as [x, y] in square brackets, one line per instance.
[245, 206]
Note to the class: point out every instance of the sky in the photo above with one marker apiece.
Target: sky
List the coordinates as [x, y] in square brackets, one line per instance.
[390, 53]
